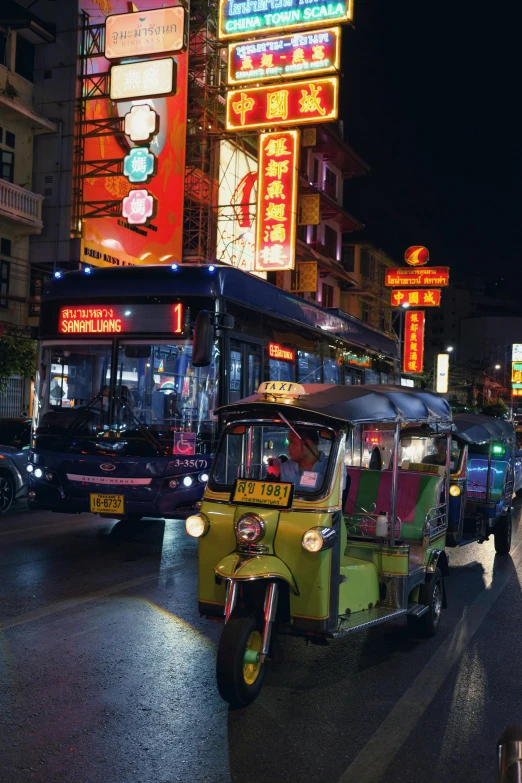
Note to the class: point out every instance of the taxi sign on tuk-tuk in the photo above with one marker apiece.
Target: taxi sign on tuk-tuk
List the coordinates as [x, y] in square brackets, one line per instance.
[281, 389]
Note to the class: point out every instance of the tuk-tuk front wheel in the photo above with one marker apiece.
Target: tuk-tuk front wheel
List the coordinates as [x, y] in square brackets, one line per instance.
[502, 535]
[239, 671]
[431, 594]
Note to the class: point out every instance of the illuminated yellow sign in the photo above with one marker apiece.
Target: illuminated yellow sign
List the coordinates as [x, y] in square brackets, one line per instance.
[292, 103]
[442, 373]
[142, 79]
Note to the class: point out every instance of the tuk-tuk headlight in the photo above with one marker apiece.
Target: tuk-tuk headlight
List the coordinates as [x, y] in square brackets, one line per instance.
[250, 528]
[455, 490]
[318, 538]
[197, 525]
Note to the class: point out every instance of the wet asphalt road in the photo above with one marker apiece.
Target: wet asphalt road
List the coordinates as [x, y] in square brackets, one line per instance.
[107, 672]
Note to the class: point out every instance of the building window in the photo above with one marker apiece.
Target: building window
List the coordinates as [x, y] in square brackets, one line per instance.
[365, 312]
[316, 171]
[330, 242]
[330, 183]
[365, 262]
[349, 258]
[24, 58]
[5, 267]
[303, 164]
[7, 165]
[301, 233]
[327, 295]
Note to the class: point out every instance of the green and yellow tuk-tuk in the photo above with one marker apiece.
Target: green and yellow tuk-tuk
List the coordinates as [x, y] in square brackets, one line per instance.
[293, 540]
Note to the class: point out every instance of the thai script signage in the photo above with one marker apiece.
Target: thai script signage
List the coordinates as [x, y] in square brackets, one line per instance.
[145, 32]
[246, 18]
[277, 201]
[295, 103]
[115, 319]
[413, 354]
[435, 277]
[300, 54]
[416, 297]
[417, 255]
[143, 79]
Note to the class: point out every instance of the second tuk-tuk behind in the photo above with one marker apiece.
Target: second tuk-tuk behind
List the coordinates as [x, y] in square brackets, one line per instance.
[483, 481]
[292, 540]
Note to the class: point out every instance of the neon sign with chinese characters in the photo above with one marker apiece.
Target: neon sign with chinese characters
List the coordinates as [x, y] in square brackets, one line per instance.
[416, 297]
[277, 201]
[246, 18]
[276, 351]
[117, 319]
[399, 277]
[301, 54]
[145, 32]
[138, 207]
[413, 342]
[295, 103]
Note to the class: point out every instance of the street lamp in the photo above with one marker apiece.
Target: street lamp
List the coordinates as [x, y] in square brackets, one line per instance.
[497, 366]
[449, 349]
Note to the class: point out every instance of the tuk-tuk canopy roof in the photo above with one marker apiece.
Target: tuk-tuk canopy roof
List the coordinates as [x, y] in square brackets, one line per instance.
[477, 428]
[359, 404]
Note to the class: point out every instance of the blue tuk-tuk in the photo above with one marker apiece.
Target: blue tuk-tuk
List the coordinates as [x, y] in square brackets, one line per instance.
[484, 477]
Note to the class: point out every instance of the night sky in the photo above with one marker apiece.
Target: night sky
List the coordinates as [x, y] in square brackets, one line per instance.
[431, 100]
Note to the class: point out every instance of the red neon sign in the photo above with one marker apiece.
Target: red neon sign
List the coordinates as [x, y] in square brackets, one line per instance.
[289, 56]
[435, 277]
[413, 342]
[292, 103]
[279, 352]
[417, 255]
[276, 201]
[109, 319]
[416, 297]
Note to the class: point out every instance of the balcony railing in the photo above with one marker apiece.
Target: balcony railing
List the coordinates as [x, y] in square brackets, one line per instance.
[21, 206]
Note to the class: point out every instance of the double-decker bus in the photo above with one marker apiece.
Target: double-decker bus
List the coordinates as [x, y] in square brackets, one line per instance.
[123, 421]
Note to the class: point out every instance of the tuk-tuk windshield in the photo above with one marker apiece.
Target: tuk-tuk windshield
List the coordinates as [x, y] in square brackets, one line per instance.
[429, 451]
[267, 451]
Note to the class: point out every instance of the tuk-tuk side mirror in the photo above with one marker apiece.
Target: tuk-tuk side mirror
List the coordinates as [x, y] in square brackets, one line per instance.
[203, 340]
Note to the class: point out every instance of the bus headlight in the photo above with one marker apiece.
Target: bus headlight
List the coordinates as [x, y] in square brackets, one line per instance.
[188, 481]
[30, 468]
[38, 473]
[197, 525]
[455, 490]
[319, 538]
[250, 528]
[203, 478]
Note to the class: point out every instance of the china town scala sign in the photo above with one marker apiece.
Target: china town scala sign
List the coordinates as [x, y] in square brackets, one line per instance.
[244, 18]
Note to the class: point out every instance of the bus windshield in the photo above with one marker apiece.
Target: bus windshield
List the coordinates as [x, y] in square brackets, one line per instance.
[300, 456]
[152, 399]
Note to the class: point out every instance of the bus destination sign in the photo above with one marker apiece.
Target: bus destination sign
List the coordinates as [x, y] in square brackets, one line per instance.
[118, 319]
[300, 54]
[245, 18]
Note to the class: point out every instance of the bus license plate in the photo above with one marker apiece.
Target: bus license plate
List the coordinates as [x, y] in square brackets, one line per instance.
[105, 504]
[263, 493]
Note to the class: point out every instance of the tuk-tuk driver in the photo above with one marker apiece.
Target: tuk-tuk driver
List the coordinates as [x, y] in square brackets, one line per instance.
[439, 457]
[307, 465]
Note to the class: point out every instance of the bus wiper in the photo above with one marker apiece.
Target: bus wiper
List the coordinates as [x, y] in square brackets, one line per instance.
[79, 420]
[154, 442]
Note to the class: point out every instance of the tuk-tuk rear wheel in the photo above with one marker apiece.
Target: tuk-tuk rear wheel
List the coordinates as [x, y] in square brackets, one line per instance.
[431, 594]
[239, 681]
[502, 534]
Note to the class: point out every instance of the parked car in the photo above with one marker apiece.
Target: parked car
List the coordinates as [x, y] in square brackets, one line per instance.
[15, 438]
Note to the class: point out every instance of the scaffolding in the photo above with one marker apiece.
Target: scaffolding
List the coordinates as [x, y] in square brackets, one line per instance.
[205, 117]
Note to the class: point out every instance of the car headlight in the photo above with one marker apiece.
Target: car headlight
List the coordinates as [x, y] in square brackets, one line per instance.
[319, 538]
[38, 473]
[197, 525]
[250, 528]
[455, 490]
[188, 481]
[203, 477]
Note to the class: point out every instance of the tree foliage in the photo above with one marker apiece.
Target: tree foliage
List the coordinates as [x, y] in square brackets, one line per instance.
[17, 357]
[497, 408]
